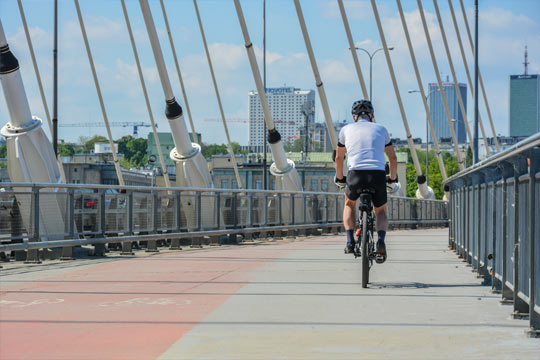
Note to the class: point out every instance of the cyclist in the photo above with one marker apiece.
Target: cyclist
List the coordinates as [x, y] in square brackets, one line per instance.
[365, 142]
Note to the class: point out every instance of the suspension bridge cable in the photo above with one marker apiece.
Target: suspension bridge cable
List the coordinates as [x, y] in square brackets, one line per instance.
[422, 93]
[421, 178]
[318, 81]
[100, 96]
[180, 78]
[466, 66]
[40, 84]
[454, 77]
[466, 21]
[352, 47]
[145, 92]
[225, 127]
[282, 168]
[439, 81]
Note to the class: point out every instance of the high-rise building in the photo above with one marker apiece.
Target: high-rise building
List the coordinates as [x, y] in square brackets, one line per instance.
[524, 105]
[286, 104]
[524, 102]
[438, 114]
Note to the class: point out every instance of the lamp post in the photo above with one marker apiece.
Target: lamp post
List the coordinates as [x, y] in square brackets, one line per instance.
[427, 131]
[371, 55]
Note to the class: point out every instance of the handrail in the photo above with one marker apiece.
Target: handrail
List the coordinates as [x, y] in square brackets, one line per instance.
[526, 144]
[162, 188]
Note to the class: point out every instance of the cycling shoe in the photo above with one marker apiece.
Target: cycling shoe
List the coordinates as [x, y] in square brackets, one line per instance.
[349, 249]
[380, 257]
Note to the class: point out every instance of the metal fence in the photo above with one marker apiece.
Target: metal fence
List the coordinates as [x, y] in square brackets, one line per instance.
[494, 224]
[37, 216]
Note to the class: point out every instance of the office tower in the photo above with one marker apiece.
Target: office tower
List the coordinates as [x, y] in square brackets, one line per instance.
[438, 114]
[286, 104]
[524, 103]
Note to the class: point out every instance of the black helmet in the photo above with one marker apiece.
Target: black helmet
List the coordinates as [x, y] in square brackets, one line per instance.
[362, 107]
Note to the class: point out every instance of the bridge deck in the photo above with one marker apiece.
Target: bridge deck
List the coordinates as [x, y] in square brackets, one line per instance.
[285, 299]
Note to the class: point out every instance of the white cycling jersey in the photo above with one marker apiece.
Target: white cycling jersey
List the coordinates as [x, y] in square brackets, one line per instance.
[365, 142]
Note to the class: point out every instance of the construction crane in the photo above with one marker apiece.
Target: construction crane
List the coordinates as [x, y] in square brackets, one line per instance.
[135, 125]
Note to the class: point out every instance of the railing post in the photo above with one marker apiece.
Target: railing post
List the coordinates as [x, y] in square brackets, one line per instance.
[521, 309]
[175, 242]
[67, 251]
[151, 245]
[197, 241]
[32, 256]
[99, 249]
[507, 294]
[534, 268]
[126, 245]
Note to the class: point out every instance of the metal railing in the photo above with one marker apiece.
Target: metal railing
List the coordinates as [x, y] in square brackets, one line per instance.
[494, 224]
[101, 214]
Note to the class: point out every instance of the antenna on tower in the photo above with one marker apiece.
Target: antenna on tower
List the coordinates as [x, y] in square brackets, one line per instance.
[526, 62]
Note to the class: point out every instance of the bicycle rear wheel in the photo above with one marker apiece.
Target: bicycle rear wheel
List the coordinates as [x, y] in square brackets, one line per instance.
[365, 250]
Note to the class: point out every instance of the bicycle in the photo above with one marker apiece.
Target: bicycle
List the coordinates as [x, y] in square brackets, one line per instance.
[365, 248]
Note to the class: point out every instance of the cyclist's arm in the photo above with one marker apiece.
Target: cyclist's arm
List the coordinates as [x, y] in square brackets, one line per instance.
[340, 157]
[391, 153]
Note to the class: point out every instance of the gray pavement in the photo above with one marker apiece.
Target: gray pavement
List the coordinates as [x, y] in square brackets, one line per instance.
[423, 303]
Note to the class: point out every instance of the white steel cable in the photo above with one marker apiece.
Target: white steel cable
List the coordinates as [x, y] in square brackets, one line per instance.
[353, 49]
[466, 21]
[422, 93]
[453, 72]
[100, 96]
[145, 92]
[396, 90]
[439, 81]
[283, 167]
[225, 127]
[180, 78]
[466, 66]
[40, 84]
[318, 81]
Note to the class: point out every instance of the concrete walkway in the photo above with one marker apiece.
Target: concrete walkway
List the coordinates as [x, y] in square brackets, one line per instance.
[275, 300]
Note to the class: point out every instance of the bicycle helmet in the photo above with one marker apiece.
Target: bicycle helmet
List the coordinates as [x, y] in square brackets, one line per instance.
[361, 107]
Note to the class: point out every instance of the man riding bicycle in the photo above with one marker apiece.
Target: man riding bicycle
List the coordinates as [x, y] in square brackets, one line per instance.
[365, 142]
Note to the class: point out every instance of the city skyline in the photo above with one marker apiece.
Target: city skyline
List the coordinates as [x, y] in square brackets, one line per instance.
[287, 62]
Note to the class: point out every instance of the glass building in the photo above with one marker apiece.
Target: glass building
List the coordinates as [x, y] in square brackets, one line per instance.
[440, 121]
[524, 105]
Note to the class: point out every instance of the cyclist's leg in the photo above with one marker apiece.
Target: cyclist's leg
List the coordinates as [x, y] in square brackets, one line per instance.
[379, 206]
[351, 195]
[382, 219]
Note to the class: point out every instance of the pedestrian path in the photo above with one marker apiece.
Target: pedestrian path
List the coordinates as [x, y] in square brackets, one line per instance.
[274, 300]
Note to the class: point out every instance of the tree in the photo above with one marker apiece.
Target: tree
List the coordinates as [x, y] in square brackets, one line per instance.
[214, 149]
[89, 143]
[3, 151]
[435, 176]
[66, 149]
[469, 157]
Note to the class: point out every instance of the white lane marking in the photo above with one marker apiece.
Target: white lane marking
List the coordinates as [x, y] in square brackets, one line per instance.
[146, 301]
[22, 304]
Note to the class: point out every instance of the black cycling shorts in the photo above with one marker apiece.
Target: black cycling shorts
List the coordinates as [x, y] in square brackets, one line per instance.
[367, 179]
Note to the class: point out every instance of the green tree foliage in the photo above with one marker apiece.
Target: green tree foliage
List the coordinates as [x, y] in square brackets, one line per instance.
[469, 157]
[215, 149]
[3, 151]
[88, 144]
[66, 149]
[435, 176]
[298, 145]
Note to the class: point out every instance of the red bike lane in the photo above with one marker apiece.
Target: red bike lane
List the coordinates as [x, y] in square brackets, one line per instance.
[132, 308]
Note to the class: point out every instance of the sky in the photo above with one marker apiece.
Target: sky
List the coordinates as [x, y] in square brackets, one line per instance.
[505, 27]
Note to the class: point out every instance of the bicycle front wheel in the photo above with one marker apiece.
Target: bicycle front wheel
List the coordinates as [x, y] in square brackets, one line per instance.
[365, 250]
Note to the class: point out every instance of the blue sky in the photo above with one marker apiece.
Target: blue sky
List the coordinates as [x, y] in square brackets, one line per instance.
[505, 28]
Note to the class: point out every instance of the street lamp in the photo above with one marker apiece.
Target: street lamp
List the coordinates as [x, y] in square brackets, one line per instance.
[427, 131]
[371, 55]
